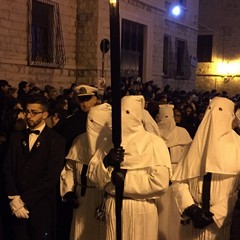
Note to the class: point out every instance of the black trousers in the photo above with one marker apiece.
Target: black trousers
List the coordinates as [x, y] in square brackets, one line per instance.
[39, 226]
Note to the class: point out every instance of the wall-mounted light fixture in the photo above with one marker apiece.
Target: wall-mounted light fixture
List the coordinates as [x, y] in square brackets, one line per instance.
[228, 70]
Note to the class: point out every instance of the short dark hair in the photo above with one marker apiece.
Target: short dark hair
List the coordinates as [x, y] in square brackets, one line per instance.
[40, 99]
[3, 83]
[22, 84]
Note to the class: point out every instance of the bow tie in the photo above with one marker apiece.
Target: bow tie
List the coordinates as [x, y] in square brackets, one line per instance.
[29, 131]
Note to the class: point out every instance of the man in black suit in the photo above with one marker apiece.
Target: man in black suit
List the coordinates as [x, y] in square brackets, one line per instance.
[32, 169]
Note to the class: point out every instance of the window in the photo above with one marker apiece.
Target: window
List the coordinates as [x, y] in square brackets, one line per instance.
[182, 60]
[168, 64]
[132, 49]
[183, 2]
[204, 48]
[45, 42]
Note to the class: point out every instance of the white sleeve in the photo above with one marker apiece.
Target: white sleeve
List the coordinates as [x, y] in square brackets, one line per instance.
[182, 195]
[222, 210]
[146, 183]
[97, 172]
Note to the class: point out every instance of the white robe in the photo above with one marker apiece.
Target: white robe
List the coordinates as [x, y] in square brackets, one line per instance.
[178, 141]
[141, 188]
[84, 224]
[147, 161]
[215, 149]
[224, 190]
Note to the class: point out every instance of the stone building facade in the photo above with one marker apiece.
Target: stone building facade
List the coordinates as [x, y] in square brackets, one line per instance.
[218, 50]
[163, 48]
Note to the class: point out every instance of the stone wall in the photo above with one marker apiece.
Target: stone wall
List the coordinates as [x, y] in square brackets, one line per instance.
[219, 19]
[84, 24]
[13, 45]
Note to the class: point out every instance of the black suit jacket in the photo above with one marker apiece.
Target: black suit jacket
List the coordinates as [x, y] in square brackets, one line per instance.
[34, 174]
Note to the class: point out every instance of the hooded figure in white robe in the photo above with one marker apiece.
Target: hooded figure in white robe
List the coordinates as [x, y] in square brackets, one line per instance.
[178, 142]
[215, 149]
[84, 224]
[147, 161]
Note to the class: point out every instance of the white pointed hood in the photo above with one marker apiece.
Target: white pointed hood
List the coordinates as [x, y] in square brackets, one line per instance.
[99, 126]
[215, 147]
[171, 134]
[99, 129]
[165, 120]
[142, 149]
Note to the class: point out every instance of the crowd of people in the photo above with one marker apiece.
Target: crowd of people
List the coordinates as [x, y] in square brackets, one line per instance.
[177, 166]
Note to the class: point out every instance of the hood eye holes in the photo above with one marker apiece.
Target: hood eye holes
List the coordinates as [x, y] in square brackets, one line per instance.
[91, 120]
[220, 109]
[209, 108]
[127, 112]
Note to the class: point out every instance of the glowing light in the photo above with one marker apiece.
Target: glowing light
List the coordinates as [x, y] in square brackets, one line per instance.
[113, 2]
[176, 11]
[227, 68]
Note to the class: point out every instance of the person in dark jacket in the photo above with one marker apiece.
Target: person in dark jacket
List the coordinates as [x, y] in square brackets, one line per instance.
[32, 168]
[76, 123]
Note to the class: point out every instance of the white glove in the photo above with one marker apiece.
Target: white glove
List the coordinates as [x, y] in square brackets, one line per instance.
[22, 213]
[16, 203]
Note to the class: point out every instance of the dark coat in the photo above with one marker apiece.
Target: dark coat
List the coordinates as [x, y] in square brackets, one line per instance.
[34, 175]
[73, 126]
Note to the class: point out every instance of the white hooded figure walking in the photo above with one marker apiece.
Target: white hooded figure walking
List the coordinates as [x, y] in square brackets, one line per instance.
[206, 182]
[74, 180]
[178, 142]
[146, 167]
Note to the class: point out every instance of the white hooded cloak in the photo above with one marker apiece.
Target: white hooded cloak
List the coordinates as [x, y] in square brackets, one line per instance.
[84, 224]
[215, 149]
[147, 161]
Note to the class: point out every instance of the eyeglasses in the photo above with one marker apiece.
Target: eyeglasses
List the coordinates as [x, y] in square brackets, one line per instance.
[32, 113]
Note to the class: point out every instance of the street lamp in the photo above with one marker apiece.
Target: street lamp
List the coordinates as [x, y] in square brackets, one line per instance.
[116, 101]
[113, 2]
[176, 10]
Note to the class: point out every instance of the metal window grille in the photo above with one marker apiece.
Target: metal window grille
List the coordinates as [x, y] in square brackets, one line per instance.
[132, 49]
[45, 41]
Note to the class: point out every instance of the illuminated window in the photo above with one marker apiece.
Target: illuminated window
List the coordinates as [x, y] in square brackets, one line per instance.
[204, 48]
[45, 43]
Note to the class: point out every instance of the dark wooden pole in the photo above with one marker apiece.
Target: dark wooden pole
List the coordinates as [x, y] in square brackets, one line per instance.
[116, 100]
